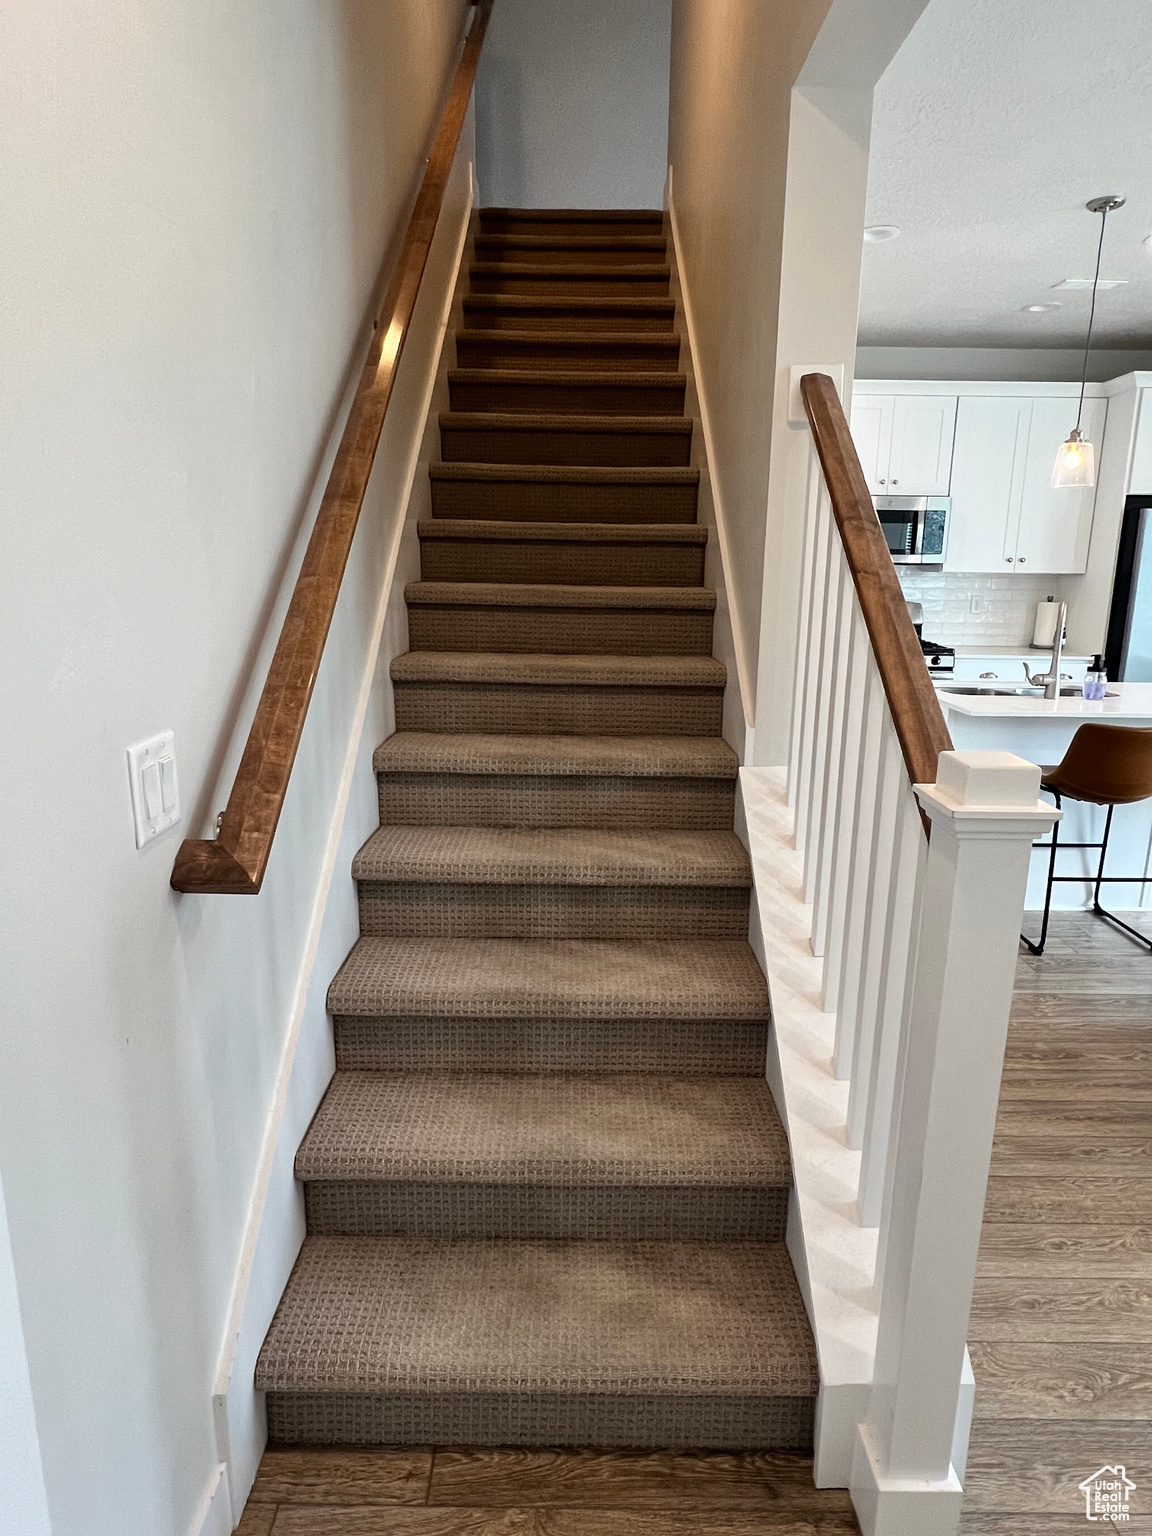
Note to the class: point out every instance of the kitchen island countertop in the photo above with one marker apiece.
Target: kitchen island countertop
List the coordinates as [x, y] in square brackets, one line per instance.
[1131, 702]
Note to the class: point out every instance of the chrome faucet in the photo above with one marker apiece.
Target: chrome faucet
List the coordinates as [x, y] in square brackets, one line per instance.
[1050, 680]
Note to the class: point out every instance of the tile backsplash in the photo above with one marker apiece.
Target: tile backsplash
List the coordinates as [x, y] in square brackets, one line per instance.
[1007, 605]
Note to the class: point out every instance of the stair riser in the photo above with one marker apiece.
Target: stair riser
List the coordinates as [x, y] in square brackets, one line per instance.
[559, 285]
[564, 502]
[713, 1421]
[545, 398]
[599, 357]
[493, 222]
[571, 564]
[558, 316]
[650, 254]
[541, 710]
[687, 1214]
[425, 909]
[633, 449]
[615, 803]
[703, 1047]
[561, 631]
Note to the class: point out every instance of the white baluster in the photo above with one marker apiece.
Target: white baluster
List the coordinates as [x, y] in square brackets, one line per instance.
[826, 689]
[870, 1111]
[865, 858]
[803, 637]
[833, 787]
[807, 750]
[985, 815]
[844, 831]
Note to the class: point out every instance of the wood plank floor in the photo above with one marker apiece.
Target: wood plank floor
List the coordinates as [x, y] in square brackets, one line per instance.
[1061, 1331]
[477, 1492]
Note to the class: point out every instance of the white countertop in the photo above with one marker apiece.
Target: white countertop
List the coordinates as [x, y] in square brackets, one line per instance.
[1012, 653]
[1132, 701]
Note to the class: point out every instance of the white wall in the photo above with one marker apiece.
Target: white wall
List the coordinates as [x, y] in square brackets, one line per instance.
[197, 199]
[768, 142]
[572, 104]
[23, 1500]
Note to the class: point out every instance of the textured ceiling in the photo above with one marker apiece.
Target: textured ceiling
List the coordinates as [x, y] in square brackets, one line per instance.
[994, 124]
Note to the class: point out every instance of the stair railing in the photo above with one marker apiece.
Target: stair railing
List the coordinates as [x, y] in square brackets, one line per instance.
[234, 862]
[915, 862]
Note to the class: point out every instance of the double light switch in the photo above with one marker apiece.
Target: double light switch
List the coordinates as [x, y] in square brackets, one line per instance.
[155, 792]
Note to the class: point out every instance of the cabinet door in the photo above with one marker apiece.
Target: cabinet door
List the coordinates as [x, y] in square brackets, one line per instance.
[987, 482]
[1055, 525]
[872, 434]
[923, 429]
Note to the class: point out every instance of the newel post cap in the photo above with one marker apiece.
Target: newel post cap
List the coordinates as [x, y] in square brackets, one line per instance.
[985, 786]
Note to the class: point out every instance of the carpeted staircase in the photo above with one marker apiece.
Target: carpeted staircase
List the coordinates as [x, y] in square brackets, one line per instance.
[547, 1187]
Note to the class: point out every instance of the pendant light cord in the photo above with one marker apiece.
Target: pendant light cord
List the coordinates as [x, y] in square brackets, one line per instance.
[1091, 318]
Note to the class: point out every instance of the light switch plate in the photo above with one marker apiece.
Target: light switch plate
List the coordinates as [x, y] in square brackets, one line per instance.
[797, 415]
[155, 790]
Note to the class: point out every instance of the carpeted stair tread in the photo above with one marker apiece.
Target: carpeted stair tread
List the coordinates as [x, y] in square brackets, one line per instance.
[372, 1314]
[544, 422]
[558, 671]
[494, 594]
[499, 241]
[569, 474]
[547, 1129]
[575, 392]
[562, 533]
[572, 271]
[578, 313]
[643, 349]
[554, 379]
[550, 979]
[695, 757]
[552, 856]
[495, 217]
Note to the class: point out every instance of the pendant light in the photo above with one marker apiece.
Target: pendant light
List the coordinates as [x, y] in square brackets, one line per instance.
[1075, 465]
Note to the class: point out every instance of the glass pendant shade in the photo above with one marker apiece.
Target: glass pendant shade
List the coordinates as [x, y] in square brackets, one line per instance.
[1075, 465]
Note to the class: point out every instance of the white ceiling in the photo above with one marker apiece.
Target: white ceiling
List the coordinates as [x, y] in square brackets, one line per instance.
[994, 125]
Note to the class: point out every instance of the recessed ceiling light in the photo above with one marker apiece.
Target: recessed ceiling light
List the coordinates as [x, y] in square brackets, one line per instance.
[1038, 309]
[876, 234]
[1086, 282]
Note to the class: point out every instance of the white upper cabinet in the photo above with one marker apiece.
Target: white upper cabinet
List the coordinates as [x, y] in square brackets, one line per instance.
[1005, 514]
[923, 429]
[987, 482]
[905, 442]
[1055, 525]
[872, 434]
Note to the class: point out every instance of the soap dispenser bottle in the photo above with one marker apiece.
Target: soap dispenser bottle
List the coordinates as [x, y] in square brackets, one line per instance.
[1095, 680]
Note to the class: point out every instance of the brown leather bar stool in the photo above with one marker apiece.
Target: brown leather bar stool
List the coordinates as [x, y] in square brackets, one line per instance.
[1104, 765]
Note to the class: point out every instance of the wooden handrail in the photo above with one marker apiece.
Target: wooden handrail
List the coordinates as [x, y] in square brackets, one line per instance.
[234, 862]
[912, 700]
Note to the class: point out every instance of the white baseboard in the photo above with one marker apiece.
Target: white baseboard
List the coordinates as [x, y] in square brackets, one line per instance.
[275, 1224]
[213, 1515]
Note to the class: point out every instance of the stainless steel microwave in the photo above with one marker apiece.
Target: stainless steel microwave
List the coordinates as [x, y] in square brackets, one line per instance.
[916, 527]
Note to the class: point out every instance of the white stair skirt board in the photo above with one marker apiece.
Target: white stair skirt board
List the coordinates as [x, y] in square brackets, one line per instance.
[833, 1254]
[213, 1515]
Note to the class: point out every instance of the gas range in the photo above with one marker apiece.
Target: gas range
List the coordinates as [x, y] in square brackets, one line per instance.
[941, 659]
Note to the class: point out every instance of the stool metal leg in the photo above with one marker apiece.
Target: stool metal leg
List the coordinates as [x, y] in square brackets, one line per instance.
[1038, 948]
[1103, 911]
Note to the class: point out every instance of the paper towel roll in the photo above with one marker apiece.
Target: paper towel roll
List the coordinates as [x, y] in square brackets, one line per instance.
[1044, 633]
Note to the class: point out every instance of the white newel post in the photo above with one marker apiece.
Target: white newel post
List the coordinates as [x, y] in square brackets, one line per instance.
[985, 813]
